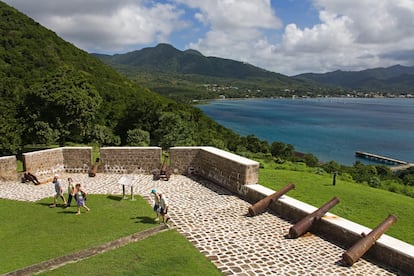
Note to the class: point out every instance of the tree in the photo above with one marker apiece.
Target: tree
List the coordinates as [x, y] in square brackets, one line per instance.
[173, 131]
[66, 101]
[138, 137]
[311, 160]
[282, 150]
[10, 128]
[103, 135]
[331, 167]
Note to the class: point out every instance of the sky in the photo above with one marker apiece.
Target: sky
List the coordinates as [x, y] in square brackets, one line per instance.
[284, 36]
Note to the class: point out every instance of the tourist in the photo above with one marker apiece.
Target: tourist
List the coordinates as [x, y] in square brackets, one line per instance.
[156, 203]
[59, 191]
[71, 191]
[80, 196]
[164, 208]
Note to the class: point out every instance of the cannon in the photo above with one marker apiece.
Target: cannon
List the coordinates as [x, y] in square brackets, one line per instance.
[363, 245]
[164, 172]
[304, 224]
[264, 203]
[92, 172]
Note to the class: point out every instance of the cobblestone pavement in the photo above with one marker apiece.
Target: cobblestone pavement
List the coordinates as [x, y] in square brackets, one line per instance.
[216, 222]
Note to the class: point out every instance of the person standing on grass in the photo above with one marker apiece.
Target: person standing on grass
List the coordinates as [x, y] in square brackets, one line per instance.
[80, 198]
[59, 191]
[156, 203]
[71, 191]
[164, 208]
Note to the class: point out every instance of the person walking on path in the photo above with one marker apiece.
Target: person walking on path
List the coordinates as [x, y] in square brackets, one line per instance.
[71, 191]
[156, 203]
[164, 208]
[80, 196]
[59, 191]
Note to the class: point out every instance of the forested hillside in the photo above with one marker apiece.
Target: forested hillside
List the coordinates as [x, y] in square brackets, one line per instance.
[188, 75]
[396, 79]
[52, 92]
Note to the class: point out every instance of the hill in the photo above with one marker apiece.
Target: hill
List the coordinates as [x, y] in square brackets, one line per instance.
[165, 58]
[190, 75]
[394, 79]
[52, 92]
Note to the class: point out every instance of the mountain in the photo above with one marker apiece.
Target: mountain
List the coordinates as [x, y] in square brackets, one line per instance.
[189, 75]
[165, 58]
[54, 93]
[392, 79]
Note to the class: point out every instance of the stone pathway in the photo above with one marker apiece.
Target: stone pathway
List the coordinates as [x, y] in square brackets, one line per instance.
[216, 222]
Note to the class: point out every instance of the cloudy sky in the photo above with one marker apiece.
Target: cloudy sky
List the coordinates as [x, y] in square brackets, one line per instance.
[284, 36]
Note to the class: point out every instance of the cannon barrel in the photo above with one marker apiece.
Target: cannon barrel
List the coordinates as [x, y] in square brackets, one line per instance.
[364, 244]
[264, 203]
[304, 224]
[164, 166]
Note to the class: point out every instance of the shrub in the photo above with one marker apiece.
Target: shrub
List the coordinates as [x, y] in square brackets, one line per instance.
[374, 182]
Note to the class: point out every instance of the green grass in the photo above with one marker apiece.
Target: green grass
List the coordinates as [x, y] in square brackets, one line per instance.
[167, 253]
[359, 203]
[32, 232]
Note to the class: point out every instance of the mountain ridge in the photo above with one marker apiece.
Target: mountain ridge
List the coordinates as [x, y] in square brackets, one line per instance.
[166, 59]
[394, 78]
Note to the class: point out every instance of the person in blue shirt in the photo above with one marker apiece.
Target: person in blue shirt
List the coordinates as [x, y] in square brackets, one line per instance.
[59, 191]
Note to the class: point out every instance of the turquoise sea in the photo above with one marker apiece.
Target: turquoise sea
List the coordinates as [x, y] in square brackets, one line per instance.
[329, 128]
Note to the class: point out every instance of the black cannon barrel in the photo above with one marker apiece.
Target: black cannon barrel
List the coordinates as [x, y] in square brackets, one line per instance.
[264, 203]
[363, 245]
[304, 224]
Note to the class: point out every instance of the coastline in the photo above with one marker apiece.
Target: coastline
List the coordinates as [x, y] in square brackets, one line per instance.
[323, 126]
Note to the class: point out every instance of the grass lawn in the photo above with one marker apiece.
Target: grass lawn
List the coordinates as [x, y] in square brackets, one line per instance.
[167, 253]
[32, 232]
[359, 203]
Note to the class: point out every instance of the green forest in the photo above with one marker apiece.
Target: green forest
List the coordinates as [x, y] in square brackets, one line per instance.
[52, 93]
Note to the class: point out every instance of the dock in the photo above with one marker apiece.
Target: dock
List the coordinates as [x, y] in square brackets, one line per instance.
[379, 158]
[396, 165]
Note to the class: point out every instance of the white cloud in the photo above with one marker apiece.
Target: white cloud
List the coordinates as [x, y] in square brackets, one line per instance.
[236, 28]
[350, 35]
[106, 25]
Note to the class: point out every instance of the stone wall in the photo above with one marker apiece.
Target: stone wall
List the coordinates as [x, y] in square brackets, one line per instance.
[44, 163]
[77, 159]
[126, 160]
[224, 168]
[8, 168]
[183, 160]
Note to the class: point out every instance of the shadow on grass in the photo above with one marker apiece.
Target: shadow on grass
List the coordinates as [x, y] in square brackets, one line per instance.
[146, 220]
[47, 204]
[68, 212]
[113, 197]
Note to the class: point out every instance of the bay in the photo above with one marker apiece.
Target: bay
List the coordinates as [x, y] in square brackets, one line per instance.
[329, 128]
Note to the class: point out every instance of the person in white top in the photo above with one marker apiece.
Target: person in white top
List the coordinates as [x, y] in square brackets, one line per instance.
[164, 208]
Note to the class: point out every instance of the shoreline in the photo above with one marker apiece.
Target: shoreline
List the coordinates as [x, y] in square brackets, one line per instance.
[323, 124]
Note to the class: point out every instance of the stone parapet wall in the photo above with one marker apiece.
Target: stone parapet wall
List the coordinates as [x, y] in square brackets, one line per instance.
[8, 168]
[224, 168]
[387, 250]
[44, 163]
[77, 159]
[126, 160]
[183, 160]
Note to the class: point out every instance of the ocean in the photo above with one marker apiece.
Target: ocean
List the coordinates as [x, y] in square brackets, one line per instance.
[330, 128]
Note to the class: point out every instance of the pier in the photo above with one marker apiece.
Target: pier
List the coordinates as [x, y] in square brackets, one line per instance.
[379, 158]
[397, 165]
